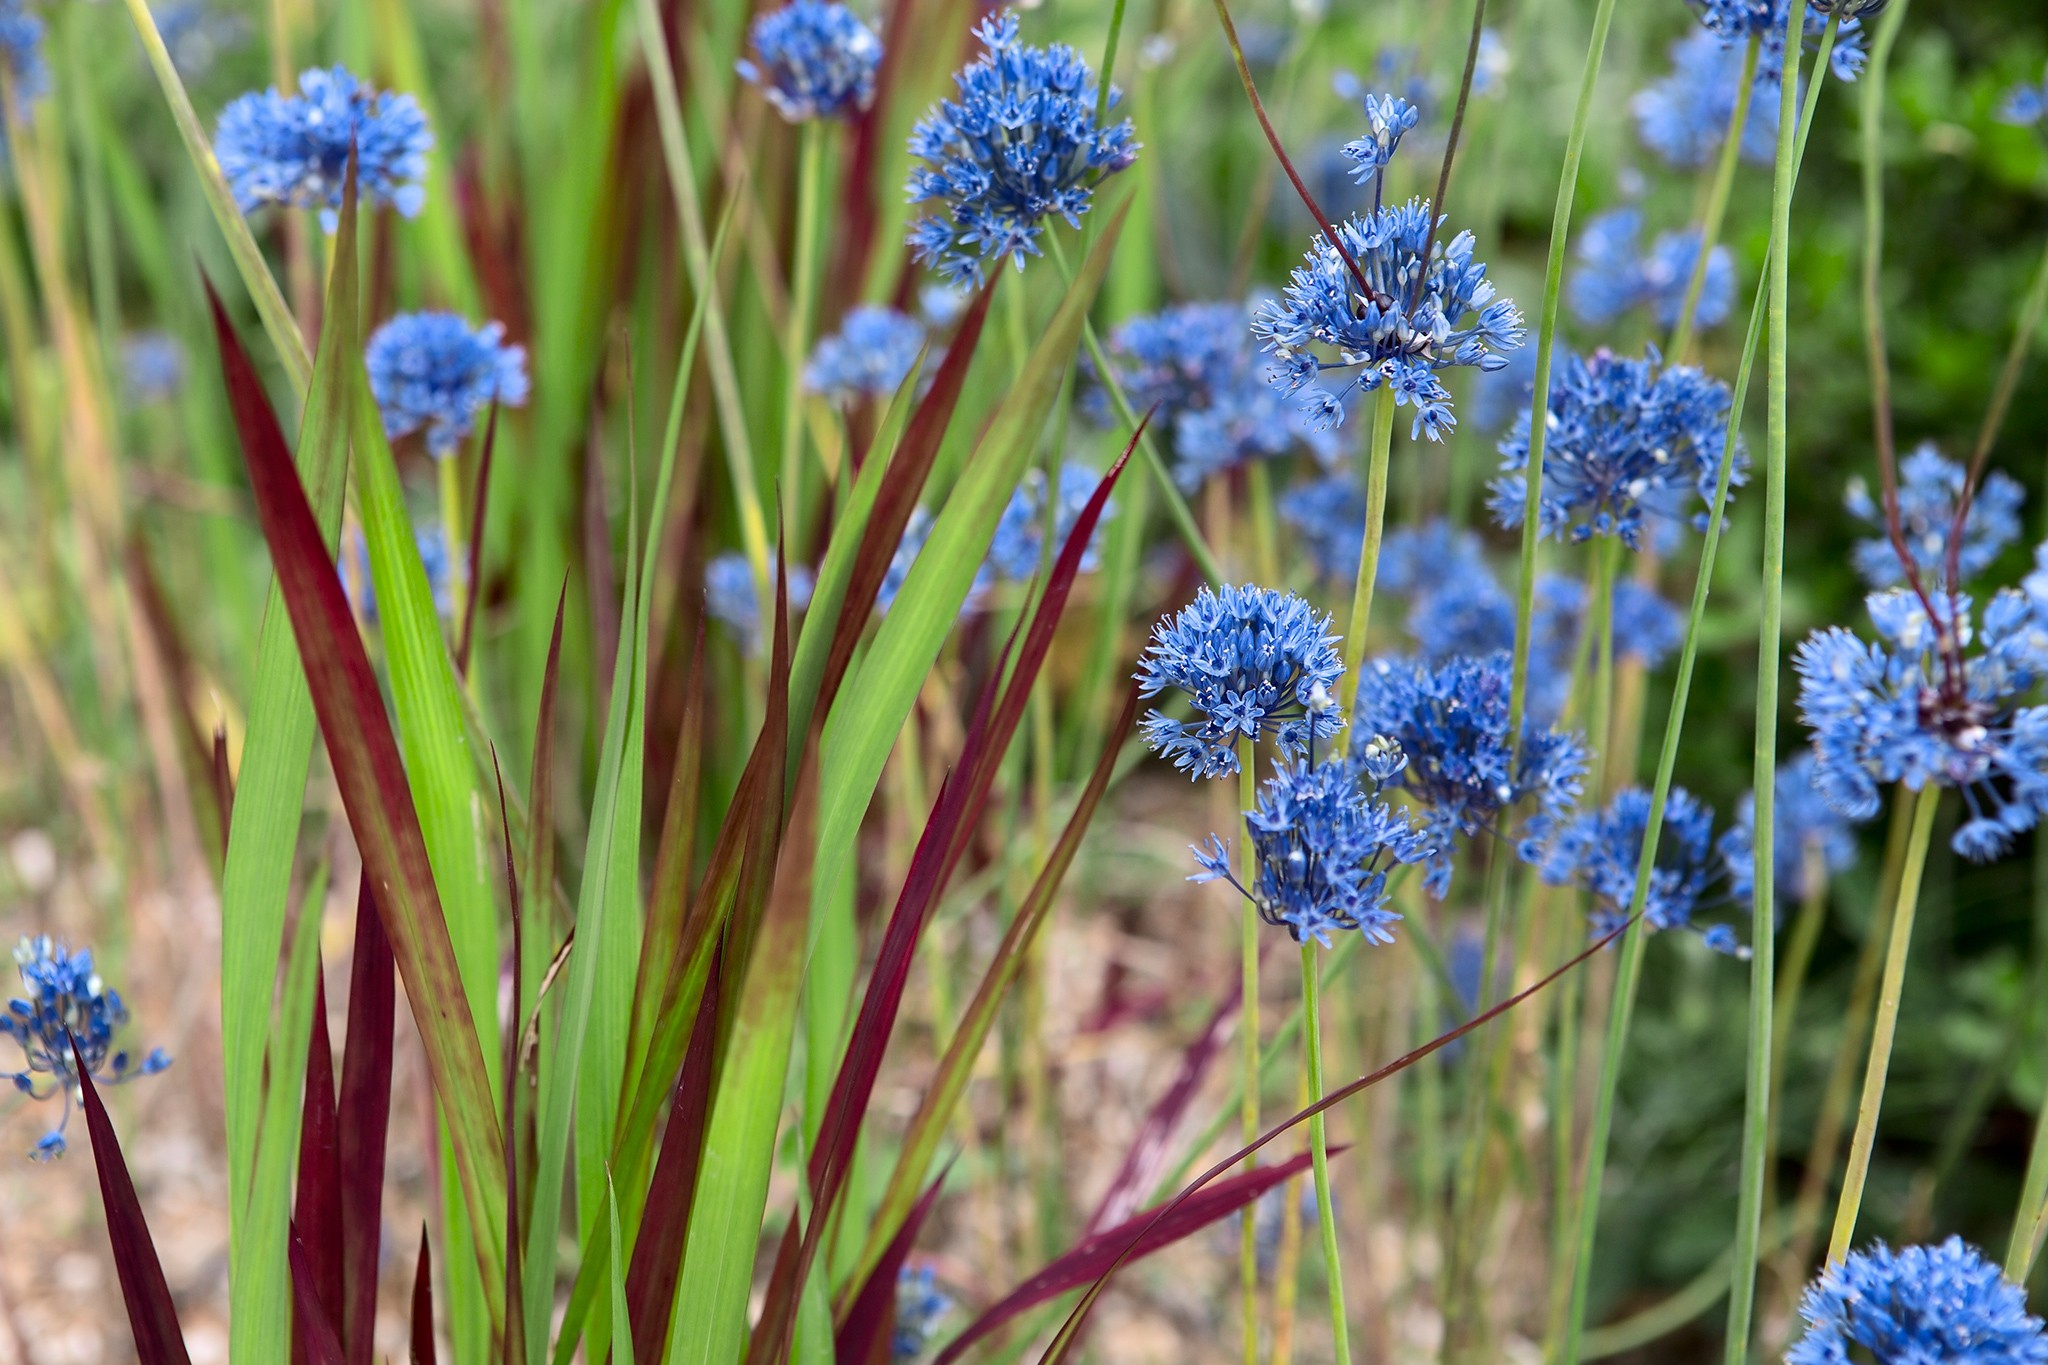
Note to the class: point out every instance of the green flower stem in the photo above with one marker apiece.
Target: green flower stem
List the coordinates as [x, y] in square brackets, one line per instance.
[1248, 1051]
[1326, 1215]
[1375, 517]
[2030, 1219]
[1717, 208]
[1108, 70]
[803, 302]
[1886, 1025]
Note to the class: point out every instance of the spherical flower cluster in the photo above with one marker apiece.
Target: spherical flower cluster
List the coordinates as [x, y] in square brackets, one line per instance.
[1197, 364]
[816, 60]
[1021, 142]
[729, 596]
[1399, 328]
[152, 366]
[1683, 115]
[293, 149]
[1629, 442]
[433, 371]
[1598, 852]
[2025, 104]
[1018, 547]
[920, 1307]
[1810, 838]
[1329, 516]
[64, 1002]
[869, 357]
[1917, 708]
[1928, 488]
[21, 52]
[197, 33]
[1500, 396]
[1737, 21]
[1941, 1305]
[1614, 276]
[1324, 842]
[1256, 663]
[1463, 771]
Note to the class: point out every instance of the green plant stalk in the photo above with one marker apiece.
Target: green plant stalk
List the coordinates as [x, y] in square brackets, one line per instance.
[1248, 1052]
[803, 303]
[1375, 517]
[2028, 1218]
[1108, 70]
[1717, 207]
[1326, 1213]
[1885, 1025]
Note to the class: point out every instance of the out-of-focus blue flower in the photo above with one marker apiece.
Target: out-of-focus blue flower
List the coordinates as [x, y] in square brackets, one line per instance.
[21, 52]
[1019, 144]
[1500, 396]
[1019, 543]
[1196, 361]
[2025, 104]
[1614, 276]
[1630, 442]
[1737, 21]
[1324, 842]
[433, 371]
[1598, 851]
[729, 596]
[1942, 1305]
[1451, 720]
[1928, 488]
[196, 33]
[64, 1001]
[1683, 115]
[152, 366]
[868, 357]
[1490, 72]
[1255, 662]
[816, 60]
[443, 570]
[916, 531]
[293, 149]
[920, 1307]
[1329, 516]
[1908, 710]
[1394, 331]
[1807, 830]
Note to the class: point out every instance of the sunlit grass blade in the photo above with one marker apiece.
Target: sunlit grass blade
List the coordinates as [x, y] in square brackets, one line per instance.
[151, 1314]
[622, 1327]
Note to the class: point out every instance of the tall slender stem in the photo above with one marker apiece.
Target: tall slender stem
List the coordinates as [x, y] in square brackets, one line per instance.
[1248, 1040]
[803, 299]
[1375, 518]
[2028, 1218]
[1326, 1213]
[1886, 1024]
[1717, 207]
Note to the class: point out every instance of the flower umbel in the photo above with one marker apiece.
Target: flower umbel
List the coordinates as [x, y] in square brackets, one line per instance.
[64, 1001]
[868, 357]
[1599, 850]
[1811, 840]
[433, 371]
[729, 596]
[21, 52]
[1943, 1305]
[1614, 276]
[919, 1309]
[1928, 488]
[816, 60]
[293, 149]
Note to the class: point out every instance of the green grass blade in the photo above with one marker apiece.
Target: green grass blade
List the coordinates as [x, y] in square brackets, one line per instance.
[622, 1328]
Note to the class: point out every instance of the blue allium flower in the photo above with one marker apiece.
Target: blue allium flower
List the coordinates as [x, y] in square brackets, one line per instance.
[867, 358]
[1925, 1305]
[1388, 118]
[1019, 543]
[817, 60]
[1807, 831]
[293, 149]
[2025, 104]
[1020, 143]
[21, 52]
[1490, 71]
[63, 1000]
[1614, 276]
[433, 371]
[1630, 442]
[1324, 842]
[729, 596]
[443, 570]
[1737, 21]
[1915, 708]
[1928, 488]
[1451, 720]
[152, 366]
[1683, 115]
[1598, 851]
[196, 33]
[1396, 331]
[1255, 662]
[920, 1307]
[1197, 362]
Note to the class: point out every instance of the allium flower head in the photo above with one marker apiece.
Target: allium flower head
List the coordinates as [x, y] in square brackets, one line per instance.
[1939, 704]
[63, 1000]
[1020, 143]
[1451, 720]
[1683, 115]
[1490, 71]
[1598, 851]
[1928, 488]
[1393, 331]
[816, 60]
[1737, 21]
[1925, 1305]
[21, 52]
[1810, 836]
[196, 33]
[1329, 516]
[1324, 842]
[868, 357]
[433, 371]
[1614, 276]
[1196, 361]
[1018, 547]
[1255, 662]
[729, 596]
[920, 1307]
[293, 149]
[1630, 443]
[2025, 104]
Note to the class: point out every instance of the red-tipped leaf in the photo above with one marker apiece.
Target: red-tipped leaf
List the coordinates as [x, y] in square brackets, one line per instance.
[151, 1314]
[316, 1205]
[313, 1336]
[423, 1304]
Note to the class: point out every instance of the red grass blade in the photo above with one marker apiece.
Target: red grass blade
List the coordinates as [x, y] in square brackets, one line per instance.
[316, 1205]
[151, 1314]
[479, 505]
[515, 1342]
[365, 1109]
[423, 1304]
[374, 791]
[313, 1338]
[863, 1339]
[1128, 1241]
